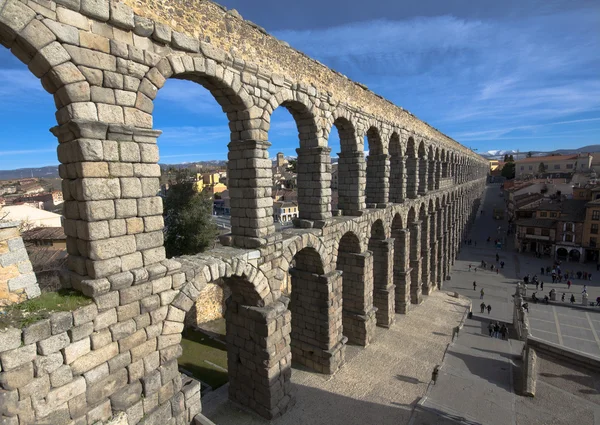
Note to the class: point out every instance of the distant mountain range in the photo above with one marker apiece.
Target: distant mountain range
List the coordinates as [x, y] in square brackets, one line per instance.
[51, 171]
[499, 154]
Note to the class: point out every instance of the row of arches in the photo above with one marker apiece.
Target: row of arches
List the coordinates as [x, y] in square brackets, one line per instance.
[373, 269]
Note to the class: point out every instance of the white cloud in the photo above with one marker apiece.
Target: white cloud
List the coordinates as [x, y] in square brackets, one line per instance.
[213, 136]
[482, 79]
[190, 96]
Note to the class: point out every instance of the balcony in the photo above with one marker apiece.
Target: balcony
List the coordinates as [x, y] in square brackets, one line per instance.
[537, 237]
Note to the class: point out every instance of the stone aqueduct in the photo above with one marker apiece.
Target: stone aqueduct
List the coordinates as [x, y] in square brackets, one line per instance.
[403, 213]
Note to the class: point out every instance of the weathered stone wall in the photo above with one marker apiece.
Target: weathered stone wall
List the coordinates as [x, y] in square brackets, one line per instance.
[17, 280]
[210, 304]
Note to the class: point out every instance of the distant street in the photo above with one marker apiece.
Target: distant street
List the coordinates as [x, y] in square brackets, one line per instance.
[560, 322]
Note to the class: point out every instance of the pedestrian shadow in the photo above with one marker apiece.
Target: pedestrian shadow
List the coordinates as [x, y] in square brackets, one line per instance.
[440, 333]
[409, 379]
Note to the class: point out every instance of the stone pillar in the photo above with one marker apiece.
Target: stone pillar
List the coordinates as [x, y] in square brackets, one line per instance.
[259, 366]
[249, 180]
[412, 174]
[438, 174]
[423, 174]
[447, 242]
[397, 179]
[314, 185]
[378, 186]
[402, 270]
[351, 183]
[415, 262]
[433, 255]
[17, 280]
[358, 314]
[425, 256]
[431, 175]
[440, 248]
[444, 169]
[112, 212]
[383, 281]
[316, 304]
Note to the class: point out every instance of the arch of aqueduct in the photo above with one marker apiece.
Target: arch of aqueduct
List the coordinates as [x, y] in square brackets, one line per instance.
[403, 213]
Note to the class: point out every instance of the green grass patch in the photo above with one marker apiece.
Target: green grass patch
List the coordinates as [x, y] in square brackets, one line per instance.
[36, 309]
[204, 357]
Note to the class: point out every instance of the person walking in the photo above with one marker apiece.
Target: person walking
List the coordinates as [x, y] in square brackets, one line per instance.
[491, 328]
[542, 286]
[496, 330]
[469, 267]
[482, 305]
[474, 286]
[572, 299]
[568, 284]
[504, 331]
[489, 308]
[563, 297]
[481, 294]
[497, 258]
[537, 284]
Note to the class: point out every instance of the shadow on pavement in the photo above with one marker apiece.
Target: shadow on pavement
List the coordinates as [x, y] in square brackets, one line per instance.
[317, 407]
[492, 370]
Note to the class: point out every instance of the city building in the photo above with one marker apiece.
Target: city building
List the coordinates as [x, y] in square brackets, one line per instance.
[284, 211]
[30, 187]
[553, 164]
[32, 217]
[209, 183]
[51, 237]
[591, 229]
[555, 228]
[48, 200]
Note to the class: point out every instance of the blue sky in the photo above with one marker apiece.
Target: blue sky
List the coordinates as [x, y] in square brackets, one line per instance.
[493, 75]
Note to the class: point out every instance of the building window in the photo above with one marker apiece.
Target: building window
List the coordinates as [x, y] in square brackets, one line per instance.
[553, 214]
[543, 214]
[530, 231]
[568, 237]
[569, 227]
[594, 229]
[596, 215]
[557, 166]
[545, 232]
[593, 242]
[530, 167]
[522, 168]
[569, 166]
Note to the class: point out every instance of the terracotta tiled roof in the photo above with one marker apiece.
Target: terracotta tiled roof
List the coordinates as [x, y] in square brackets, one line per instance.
[549, 158]
[40, 233]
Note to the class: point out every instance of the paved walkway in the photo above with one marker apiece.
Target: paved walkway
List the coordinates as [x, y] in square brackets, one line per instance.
[379, 384]
[475, 385]
[475, 381]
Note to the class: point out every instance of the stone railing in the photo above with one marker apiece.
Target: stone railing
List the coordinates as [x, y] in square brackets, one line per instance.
[17, 280]
[520, 317]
